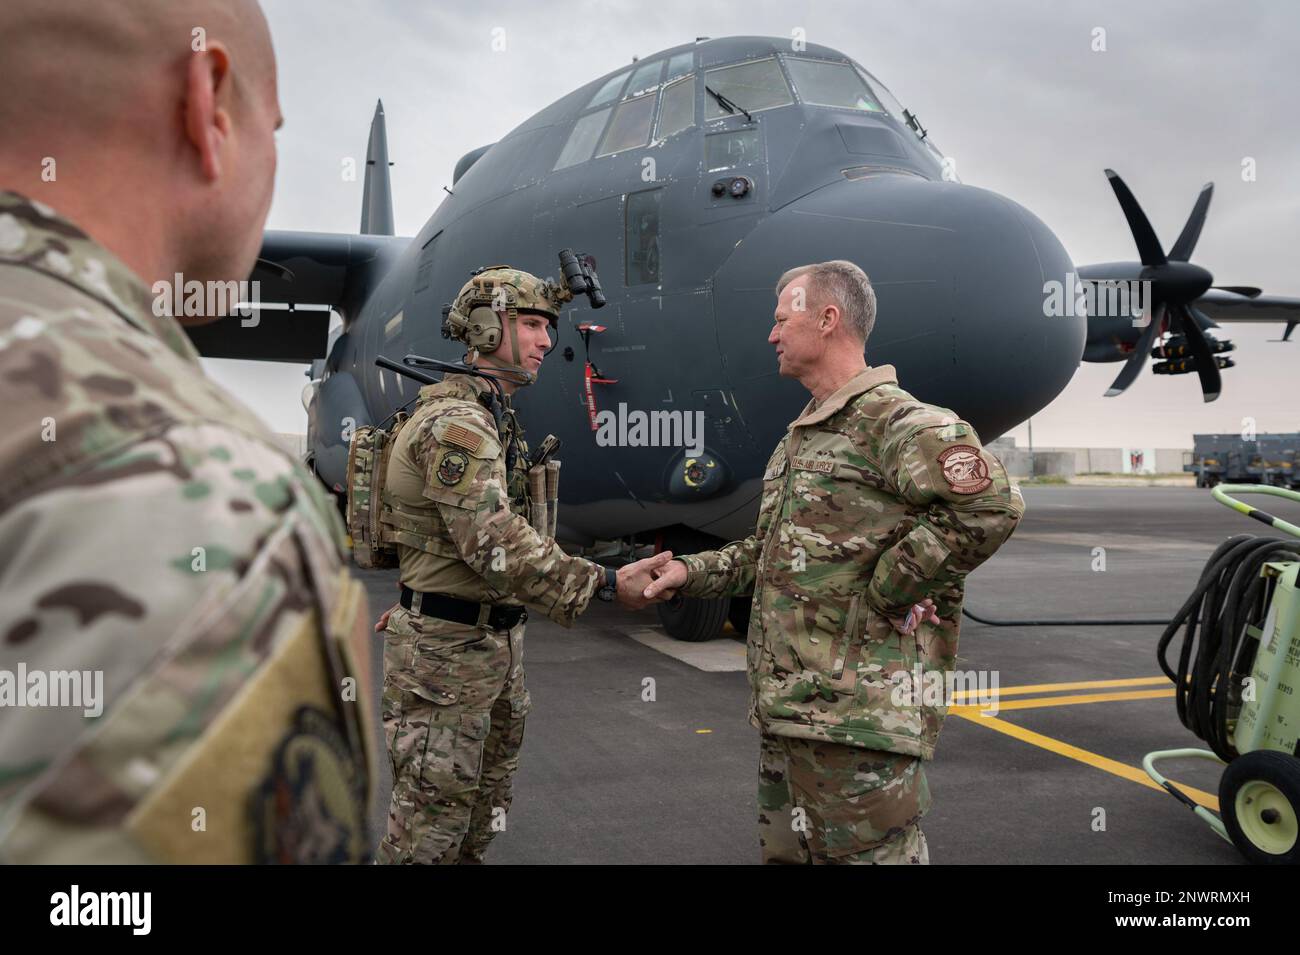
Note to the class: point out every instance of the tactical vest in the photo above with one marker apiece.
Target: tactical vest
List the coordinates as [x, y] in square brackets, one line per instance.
[378, 521]
[368, 454]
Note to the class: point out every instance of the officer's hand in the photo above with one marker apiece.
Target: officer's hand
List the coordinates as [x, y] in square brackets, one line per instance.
[923, 612]
[383, 617]
[668, 579]
[633, 580]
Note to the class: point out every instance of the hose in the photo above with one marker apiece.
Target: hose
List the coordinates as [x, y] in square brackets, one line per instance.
[1063, 623]
[1215, 653]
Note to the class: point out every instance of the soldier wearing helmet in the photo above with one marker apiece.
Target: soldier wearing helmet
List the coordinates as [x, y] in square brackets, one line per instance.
[474, 553]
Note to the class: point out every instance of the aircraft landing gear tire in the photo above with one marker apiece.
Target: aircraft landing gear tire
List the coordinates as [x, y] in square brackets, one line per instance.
[1259, 798]
[693, 619]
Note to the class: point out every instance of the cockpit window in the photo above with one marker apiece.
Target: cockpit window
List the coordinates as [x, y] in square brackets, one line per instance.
[630, 126]
[680, 65]
[583, 138]
[608, 92]
[820, 83]
[895, 109]
[677, 109]
[751, 86]
[882, 94]
[734, 148]
[644, 77]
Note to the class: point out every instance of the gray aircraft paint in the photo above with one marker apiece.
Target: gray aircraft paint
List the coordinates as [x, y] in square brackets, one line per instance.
[959, 273]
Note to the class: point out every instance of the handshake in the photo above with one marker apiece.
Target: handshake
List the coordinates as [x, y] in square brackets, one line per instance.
[649, 581]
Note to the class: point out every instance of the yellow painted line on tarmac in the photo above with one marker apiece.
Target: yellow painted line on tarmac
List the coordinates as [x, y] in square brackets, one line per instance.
[1055, 687]
[1114, 767]
[1042, 701]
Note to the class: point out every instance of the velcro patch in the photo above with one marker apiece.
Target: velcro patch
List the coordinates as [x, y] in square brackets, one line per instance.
[814, 464]
[451, 467]
[462, 437]
[311, 809]
[964, 469]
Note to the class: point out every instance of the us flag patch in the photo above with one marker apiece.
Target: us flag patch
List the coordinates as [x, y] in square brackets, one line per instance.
[462, 437]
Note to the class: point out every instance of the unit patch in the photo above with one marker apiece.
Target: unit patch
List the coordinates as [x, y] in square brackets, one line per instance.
[451, 467]
[311, 808]
[964, 469]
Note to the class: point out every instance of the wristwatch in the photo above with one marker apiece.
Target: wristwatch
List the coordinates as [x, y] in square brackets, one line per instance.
[609, 590]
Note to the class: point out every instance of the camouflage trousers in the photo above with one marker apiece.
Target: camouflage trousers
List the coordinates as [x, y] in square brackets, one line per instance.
[828, 804]
[454, 708]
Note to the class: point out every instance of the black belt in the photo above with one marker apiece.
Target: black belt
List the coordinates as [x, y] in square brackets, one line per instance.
[461, 611]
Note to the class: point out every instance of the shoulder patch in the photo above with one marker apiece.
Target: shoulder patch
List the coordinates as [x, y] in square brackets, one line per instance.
[964, 469]
[467, 431]
[311, 808]
[462, 437]
[451, 467]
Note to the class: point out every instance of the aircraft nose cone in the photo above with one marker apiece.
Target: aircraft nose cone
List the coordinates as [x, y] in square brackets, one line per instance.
[959, 274]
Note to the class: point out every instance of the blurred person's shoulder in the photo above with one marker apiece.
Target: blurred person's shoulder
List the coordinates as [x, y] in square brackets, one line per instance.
[92, 367]
[151, 532]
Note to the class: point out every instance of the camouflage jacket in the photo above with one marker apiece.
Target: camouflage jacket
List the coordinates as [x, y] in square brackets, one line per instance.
[460, 521]
[872, 502]
[183, 664]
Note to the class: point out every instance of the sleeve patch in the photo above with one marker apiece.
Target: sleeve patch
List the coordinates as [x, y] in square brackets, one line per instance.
[451, 467]
[462, 437]
[964, 469]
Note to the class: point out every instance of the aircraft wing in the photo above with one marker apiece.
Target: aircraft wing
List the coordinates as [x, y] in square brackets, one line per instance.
[301, 276]
[1247, 305]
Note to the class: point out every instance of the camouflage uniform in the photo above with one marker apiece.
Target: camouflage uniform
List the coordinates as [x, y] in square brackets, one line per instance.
[872, 502]
[150, 530]
[454, 694]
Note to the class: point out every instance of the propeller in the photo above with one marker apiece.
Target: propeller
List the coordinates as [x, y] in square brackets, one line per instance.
[1175, 283]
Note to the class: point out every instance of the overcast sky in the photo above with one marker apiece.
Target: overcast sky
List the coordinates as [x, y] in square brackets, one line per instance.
[1012, 90]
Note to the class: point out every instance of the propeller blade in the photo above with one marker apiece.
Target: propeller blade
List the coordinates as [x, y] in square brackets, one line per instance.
[1249, 291]
[1148, 245]
[1206, 367]
[1182, 250]
[1201, 318]
[1133, 367]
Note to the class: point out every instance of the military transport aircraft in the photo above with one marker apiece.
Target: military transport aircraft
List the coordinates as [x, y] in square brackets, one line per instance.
[691, 179]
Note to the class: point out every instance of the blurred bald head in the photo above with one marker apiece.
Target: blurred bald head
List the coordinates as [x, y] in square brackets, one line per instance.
[159, 116]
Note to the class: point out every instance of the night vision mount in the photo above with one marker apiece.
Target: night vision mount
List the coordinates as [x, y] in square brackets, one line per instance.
[580, 278]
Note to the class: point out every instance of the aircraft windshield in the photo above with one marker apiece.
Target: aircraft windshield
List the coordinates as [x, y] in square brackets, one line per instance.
[820, 83]
[646, 77]
[677, 110]
[751, 86]
[609, 90]
[886, 99]
[630, 126]
[583, 139]
[895, 109]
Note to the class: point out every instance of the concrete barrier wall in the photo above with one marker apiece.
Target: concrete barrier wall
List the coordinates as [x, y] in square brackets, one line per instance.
[1080, 460]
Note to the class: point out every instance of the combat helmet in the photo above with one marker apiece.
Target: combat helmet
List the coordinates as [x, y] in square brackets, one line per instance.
[474, 319]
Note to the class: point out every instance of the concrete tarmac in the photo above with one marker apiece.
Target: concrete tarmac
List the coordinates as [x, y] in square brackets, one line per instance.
[608, 776]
